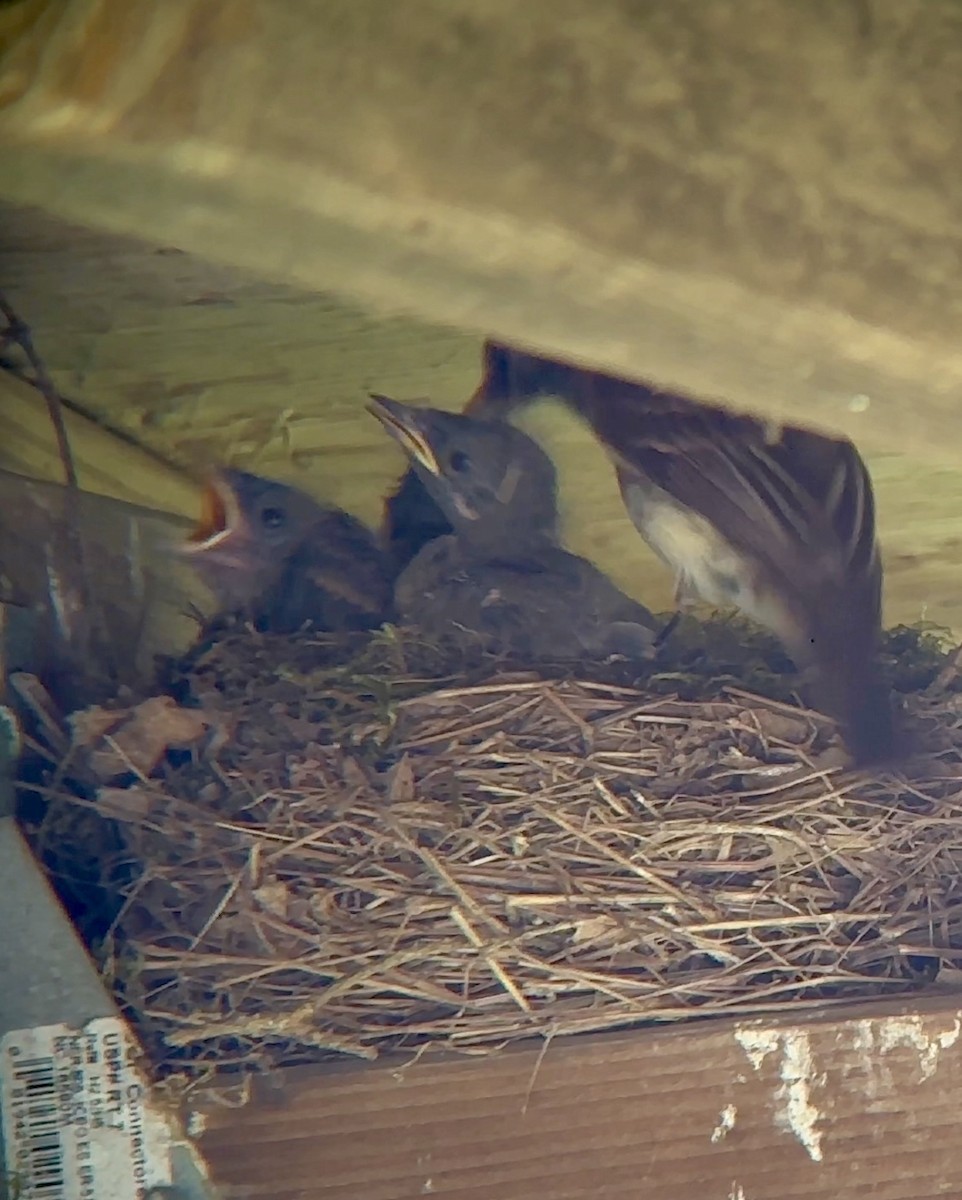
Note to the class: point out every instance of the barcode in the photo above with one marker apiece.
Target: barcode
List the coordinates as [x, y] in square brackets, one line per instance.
[40, 1160]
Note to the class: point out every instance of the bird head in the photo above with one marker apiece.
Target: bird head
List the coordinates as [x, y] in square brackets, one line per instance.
[248, 526]
[484, 475]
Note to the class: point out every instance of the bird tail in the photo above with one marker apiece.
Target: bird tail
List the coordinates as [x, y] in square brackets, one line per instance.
[864, 714]
[845, 683]
[513, 379]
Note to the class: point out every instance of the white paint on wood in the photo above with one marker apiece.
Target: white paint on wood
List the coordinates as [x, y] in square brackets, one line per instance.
[874, 1040]
[870, 1044]
[726, 1123]
[794, 1110]
[757, 1044]
[911, 1031]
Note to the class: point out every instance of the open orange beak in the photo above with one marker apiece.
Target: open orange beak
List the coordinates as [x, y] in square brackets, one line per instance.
[220, 517]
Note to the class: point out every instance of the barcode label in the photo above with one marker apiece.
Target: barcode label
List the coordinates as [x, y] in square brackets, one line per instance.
[76, 1118]
[35, 1083]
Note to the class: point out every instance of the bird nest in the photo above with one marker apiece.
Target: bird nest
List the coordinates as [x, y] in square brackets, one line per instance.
[311, 855]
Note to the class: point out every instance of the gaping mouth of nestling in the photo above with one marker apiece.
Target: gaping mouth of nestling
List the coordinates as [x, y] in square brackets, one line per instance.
[219, 517]
[401, 424]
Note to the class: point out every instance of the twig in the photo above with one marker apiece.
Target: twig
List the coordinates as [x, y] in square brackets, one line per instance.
[19, 331]
[462, 922]
[96, 641]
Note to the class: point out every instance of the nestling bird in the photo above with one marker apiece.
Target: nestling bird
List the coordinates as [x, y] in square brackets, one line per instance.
[277, 557]
[778, 523]
[501, 575]
[412, 518]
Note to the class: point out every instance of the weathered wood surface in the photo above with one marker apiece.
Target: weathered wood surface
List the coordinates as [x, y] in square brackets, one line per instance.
[759, 200]
[100, 576]
[106, 464]
[207, 364]
[856, 1103]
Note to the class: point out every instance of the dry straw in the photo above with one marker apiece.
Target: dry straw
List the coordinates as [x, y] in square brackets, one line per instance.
[334, 864]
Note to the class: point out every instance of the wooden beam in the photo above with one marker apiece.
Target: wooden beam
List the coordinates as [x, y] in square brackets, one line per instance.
[106, 464]
[749, 199]
[856, 1101]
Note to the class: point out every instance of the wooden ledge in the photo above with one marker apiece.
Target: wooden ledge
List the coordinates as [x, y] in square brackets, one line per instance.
[855, 1101]
[755, 203]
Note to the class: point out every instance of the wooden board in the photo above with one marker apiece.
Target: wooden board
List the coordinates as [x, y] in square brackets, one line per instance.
[750, 199]
[856, 1103]
[106, 464]
[109, 602]
[205, 364]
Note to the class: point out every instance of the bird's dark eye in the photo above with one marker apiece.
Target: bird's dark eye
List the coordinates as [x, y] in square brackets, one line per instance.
[273, 518]
[459, 461]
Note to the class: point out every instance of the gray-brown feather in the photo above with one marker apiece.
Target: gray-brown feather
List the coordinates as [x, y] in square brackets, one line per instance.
[781, 525]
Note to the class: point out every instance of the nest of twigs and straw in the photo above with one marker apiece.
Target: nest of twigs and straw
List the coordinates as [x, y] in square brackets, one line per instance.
[312, 852]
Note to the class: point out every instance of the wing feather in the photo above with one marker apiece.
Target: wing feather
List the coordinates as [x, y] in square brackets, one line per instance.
[795, 505]
[799, 503]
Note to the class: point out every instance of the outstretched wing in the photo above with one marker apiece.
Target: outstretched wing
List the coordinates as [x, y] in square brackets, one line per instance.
[797, 505]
